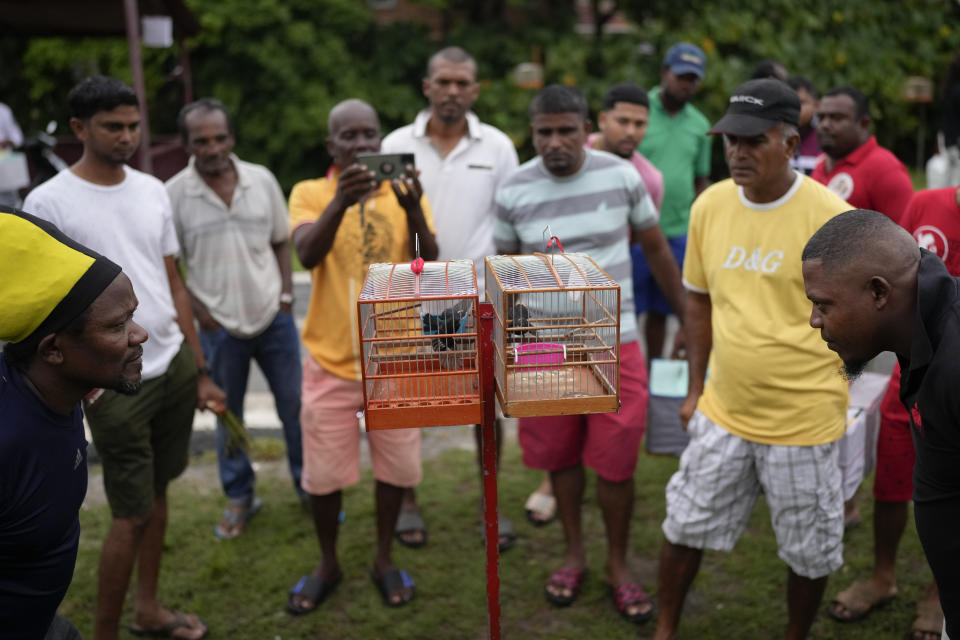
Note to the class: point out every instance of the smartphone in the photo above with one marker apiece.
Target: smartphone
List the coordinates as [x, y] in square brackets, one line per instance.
[385, 166]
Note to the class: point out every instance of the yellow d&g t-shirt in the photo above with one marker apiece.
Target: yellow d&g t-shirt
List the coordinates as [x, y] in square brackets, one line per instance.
[772, 379]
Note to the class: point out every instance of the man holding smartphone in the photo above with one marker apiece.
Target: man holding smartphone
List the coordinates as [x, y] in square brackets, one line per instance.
[340, 224]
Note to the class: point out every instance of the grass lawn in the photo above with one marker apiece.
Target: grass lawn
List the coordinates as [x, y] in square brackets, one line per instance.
[239, 587]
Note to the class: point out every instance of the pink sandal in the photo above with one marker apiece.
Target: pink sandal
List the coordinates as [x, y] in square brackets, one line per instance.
[564, 578]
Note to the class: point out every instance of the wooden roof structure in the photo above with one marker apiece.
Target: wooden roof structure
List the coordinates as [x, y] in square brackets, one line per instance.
[102, 18]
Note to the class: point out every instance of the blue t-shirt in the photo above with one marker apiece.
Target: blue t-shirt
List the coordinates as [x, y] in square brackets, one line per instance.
[43, 480]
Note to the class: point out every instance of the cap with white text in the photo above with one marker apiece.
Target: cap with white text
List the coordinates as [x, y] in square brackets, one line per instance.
[757, 105]
[686, 58]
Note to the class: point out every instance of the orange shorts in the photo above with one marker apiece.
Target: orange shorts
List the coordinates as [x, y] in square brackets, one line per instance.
[331, 437]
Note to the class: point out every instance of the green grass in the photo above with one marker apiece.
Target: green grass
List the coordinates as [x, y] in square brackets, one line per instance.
[239, 587]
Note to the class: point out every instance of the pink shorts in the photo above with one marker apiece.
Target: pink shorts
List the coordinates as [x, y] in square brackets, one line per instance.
[608, 443]
[893, 481]
[331, 437]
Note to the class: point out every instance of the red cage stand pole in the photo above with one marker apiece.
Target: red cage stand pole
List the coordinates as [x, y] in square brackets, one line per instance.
[489, 465]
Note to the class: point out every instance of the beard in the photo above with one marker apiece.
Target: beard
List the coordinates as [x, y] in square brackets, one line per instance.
[126, 387]
[852, 369]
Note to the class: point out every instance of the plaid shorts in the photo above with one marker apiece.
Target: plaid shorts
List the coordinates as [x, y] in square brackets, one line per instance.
[711, 496]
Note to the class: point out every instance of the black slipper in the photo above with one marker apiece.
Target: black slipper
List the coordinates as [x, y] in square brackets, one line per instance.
[313, 588]
[390, 582]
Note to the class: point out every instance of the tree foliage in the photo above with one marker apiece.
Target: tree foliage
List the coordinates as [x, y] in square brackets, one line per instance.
[281, 65]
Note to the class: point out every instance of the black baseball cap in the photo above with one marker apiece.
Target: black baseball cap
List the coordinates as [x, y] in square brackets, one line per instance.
[757, 105]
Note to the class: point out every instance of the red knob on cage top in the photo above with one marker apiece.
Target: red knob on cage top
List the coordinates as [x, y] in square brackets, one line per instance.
[417, 265]
[554, 240]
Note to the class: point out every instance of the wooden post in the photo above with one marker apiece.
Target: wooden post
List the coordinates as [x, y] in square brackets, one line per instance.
[187, 71]
[488, 433]
[132, 19]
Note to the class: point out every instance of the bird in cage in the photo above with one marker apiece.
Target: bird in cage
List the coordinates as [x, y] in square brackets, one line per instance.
[520, 317]
[450, 320]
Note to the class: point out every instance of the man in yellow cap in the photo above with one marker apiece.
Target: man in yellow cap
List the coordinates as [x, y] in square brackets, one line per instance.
[68, 320]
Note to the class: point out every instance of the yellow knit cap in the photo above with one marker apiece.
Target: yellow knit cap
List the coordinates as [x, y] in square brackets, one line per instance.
[46, 278]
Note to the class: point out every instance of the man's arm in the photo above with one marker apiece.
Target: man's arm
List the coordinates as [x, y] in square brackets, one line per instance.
[313, 241]
[207, 391]
[663, 266]
[697, 316]
[408, 191]
[282, 252]
[204, 318]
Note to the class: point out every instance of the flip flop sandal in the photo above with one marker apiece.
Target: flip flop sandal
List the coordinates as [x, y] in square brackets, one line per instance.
[390, 582]
[564, 578]
[508, 535]
[628, 595]
[409, 522]
[859, 599]
[312, 588]
[180, 621]
[237, 520]
[543, 505]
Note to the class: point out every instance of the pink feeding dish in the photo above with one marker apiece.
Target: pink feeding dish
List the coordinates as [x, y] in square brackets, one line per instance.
[541, 353]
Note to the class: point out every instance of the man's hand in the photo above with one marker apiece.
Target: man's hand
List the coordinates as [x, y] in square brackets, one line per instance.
[286, 307]
[208, 393]
[679, 345]
[355, 182]
[205, 319]
[408, 190]
[688, 407]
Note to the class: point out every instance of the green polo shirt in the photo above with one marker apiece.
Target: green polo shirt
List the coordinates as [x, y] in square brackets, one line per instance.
[680, 148]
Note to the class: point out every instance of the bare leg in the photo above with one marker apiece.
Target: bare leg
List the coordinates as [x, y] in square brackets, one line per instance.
[116, 564]
[325, 510]
[409, 503]
[148, 614]
[478, 436]
[889, 522]
[388, 498]
[568, 488]
[803, 600]
[655, 331]
[616, 503]
[678, 567]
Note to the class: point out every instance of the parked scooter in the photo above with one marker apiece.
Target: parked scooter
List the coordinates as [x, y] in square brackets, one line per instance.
[38, 147]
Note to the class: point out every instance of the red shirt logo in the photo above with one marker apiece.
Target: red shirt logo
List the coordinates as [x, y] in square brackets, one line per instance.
[933, 240]
[915, 414]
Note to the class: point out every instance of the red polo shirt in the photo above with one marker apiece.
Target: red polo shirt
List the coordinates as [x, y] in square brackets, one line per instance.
[870, 177]
[933, 218]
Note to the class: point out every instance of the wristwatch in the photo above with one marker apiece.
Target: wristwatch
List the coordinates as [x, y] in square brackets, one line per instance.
[286, 298]
[204, 371]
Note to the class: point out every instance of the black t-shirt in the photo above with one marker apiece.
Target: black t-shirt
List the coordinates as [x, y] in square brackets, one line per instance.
[930, 386]
[43, 480]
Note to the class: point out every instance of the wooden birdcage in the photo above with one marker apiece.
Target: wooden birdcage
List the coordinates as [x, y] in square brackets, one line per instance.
[420, 345]
[556, 334]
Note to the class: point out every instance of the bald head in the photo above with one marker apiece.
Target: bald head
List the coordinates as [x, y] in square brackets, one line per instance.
[349, 109]
[863, 238]
[860, 273]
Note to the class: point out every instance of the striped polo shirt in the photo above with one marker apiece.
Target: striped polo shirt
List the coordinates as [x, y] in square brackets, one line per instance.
[591, 211]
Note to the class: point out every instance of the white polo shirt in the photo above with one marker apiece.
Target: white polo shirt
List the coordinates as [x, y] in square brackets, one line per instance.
[460, 186]
[231, 266]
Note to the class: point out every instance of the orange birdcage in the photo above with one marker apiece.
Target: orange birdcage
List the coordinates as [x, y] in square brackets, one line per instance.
[420, 342]
[556, 334]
